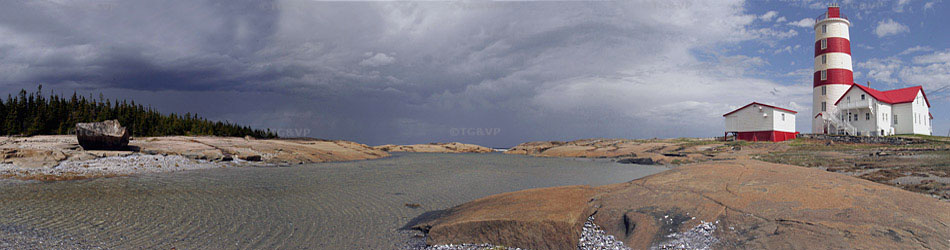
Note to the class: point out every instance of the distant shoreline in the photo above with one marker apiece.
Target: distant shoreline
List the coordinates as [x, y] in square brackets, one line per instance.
[59, 157]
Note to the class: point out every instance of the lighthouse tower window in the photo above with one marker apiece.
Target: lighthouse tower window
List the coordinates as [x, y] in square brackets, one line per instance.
[824, 90]
[824, 43]
[824, 75]
[824, 28]
[824, 59]
[824, 106]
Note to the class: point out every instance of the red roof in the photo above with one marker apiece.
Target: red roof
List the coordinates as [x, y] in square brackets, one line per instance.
[896, 96]
[770, 106]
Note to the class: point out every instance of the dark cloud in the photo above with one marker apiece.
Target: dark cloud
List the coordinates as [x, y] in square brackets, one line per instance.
[401, 72]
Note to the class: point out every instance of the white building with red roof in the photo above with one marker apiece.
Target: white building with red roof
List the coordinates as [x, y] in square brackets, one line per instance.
[761, 122]
[872, 112]
[839, 106]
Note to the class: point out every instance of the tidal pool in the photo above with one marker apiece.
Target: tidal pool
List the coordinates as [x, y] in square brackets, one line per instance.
[346, 205]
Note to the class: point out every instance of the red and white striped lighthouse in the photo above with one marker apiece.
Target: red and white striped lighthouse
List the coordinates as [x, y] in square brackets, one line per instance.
[833, 72]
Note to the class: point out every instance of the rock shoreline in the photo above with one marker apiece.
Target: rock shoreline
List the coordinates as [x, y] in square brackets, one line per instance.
[724, 204]
[59, 157]
[645, 152]
[452, 147]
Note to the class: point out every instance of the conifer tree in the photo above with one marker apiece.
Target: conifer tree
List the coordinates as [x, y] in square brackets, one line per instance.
[38, 113]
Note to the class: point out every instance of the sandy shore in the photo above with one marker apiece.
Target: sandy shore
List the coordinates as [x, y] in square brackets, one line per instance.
[61, 157]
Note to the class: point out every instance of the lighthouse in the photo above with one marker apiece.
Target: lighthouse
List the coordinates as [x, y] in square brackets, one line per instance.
[833, 72]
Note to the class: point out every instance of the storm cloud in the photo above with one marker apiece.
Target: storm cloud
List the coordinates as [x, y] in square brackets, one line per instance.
[404, 72]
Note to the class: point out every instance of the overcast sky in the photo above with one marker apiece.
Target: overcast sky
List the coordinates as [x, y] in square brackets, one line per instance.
[491, 73]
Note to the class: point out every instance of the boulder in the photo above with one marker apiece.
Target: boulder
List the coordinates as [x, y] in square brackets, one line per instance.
[107, 135]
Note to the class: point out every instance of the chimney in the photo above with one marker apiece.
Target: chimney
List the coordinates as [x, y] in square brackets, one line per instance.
[869, 84]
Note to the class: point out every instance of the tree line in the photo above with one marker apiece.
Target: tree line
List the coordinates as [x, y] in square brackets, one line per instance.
[38, 114]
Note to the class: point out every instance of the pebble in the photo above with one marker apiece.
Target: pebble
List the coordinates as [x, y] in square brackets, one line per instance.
[592, 238]
[699, 237]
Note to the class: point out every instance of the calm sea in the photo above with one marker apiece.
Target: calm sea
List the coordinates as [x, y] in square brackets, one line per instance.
[347, 205]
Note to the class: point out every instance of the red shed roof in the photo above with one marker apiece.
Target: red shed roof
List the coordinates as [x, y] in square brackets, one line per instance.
[896, 96]
[770, 106]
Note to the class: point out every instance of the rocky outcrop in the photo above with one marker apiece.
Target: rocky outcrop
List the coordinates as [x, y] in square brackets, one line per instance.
[546, 218]
[452, 147]
[666, 151]
[742, 204]
[273, 151]
[107, 135]
[887, 140]
[28, 157]
[640, 161]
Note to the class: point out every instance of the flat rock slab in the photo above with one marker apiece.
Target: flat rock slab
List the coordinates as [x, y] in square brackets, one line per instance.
[546, 218]
[763, 205]
[752, 204]
[37, 157]
[452, 147]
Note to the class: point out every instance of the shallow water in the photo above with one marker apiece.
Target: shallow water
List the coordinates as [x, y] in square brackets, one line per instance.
[347, 205]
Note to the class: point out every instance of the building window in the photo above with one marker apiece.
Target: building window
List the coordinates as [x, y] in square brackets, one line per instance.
[824, 75]
[824, 43]
[862, 96]
[895, 119]
[849, 99]
[824, 59]
[867, 116]
[824, 106]
[824, 90]
[824, 28]
[783, 117]
[855, 117]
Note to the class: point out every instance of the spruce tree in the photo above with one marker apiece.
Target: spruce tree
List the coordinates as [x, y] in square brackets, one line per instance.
[37, 113]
